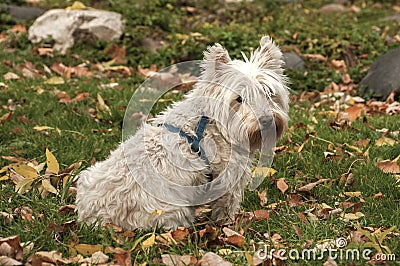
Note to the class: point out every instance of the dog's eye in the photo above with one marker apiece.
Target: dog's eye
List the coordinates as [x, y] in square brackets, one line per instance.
[239, 99]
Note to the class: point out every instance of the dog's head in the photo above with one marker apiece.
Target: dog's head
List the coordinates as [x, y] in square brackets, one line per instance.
[251, 94]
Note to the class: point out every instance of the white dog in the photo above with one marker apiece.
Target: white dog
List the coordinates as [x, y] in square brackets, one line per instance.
[200, 149]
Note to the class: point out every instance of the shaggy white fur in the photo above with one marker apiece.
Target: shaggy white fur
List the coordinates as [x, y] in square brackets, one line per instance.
[156, 168]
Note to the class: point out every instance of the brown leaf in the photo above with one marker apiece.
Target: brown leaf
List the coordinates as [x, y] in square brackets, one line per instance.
[10, 76]
[362, 143]
[310, 186]
[212, 259]
[263, 197]
[316, 57]
[388, 166]
[117, 54]
[236, 240]
[281, 184]
[261, 215]
[303, 218]
[354, 112]
[7, 261]
[166, 239]
[66, 209]
[298, 231]
[15, 246]
[180, 234]
[295, 200]
[177, 260]
[122, 257]
[64, 98]
[385, 141]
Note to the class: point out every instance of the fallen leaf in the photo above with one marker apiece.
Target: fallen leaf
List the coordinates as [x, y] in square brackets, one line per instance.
[298, 231]
[166, 239]
[236, 240]
[52, 163]
[261, 215]
[97, 258]
[354, 112]
[122, 257]
[212, 259]
[316, 57]
[25, 171]
[149, 241]
[42, 128]
[263, 197]
[388, 166]
[48, 186]
[54, 81]
[352, 216]
[177, 260]
[383, 141]
[10, 76]
[263, 171]
[70, 208]
[15, 243]
[310, 186]
[281, 184]
[180, 234]
[353, 194]
[7, 261]
[76, 6]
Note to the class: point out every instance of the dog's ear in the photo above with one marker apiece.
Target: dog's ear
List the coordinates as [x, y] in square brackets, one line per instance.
[268, 55]
[215, 59]
[216, 53]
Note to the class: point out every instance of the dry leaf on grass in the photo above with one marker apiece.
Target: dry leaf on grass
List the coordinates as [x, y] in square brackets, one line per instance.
[281, 184]
[388, 166]
[310, 186]
[212, 259]
[177, 260]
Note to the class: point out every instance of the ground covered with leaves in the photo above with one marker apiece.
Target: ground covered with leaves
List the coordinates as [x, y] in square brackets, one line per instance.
[334, 183]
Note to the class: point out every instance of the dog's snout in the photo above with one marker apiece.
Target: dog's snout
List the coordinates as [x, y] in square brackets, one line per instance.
[266, 121]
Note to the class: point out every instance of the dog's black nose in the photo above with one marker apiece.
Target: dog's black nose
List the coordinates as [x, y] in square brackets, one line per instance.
[266, 121]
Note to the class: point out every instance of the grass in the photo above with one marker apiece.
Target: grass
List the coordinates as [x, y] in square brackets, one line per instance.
[79, 135]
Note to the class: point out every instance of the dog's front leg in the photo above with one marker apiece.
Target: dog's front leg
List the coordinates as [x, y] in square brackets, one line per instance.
[227, 206]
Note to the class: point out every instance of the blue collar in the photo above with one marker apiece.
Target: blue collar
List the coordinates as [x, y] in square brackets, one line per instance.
[195, 141]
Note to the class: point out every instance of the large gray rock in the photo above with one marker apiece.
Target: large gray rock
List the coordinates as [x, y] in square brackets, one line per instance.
[383, 76]
[65, 26]
[22, 12]
[293, 61]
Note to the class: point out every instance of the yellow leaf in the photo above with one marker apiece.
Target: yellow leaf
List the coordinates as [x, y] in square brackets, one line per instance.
[263, 171]
[42, 128]
[154, 213]
[149, 241]
[52, 163]
[101, 105]
[76, 6]
[139, 240]
[48, 186]
[55, 81]
[354, 148]
[25, 170]
[4, 178]
[385, 141]
[353, 194]
[23, 185]
[225, 252]
[86, 249]
[353, 216]
[249, 258]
